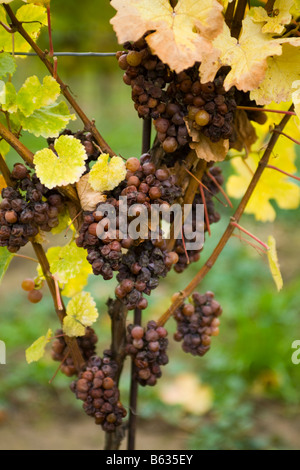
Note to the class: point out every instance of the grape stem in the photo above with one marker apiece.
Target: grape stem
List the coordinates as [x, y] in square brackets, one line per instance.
[229, 13]
[238, 18]
[89, 125]
[230, 228]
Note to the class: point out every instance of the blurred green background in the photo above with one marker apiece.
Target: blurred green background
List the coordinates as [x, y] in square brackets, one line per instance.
[245, 393]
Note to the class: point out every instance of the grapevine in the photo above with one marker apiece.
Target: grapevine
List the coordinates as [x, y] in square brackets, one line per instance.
[199, 79]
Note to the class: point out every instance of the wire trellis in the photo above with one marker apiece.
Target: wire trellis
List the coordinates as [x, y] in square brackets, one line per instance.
[71, 54]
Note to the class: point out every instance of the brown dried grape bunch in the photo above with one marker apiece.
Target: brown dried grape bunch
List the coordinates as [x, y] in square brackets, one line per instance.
[147, 347]
[23, 215]
[98, 390]
[197, 322]
[59, 351]
[144, 185]
[147, 75]
[142, 267]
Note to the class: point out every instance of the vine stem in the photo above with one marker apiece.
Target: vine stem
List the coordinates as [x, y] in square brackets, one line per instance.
[146, 144]
[238, 18]
[89, 125]
[60, 309]
[229, 13]
[230, 228]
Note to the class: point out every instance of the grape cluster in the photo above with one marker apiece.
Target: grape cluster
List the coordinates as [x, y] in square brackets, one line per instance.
[97, 388]
[191, 256]
[169, 98]
[197, 322]
[86, 344]
[144, 185]
[22, 216]
[148, 349]
[147, 75]
[139, 273]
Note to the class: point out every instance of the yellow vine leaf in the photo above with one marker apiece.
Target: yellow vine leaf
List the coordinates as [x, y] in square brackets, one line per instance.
[37, 350]
[273, 262]
[64, 168]
[282, 71]
[272, 185]
[81, 312]
[183, 35]
[246, 56]
[274, 23]
[105, 175]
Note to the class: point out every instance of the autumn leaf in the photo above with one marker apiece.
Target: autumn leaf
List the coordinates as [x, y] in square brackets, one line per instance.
[204, 147]
[89, 198]
[182, 36]
[281, 72]
[274, 22]
[273, 262]
[247, 56]
[106, 175]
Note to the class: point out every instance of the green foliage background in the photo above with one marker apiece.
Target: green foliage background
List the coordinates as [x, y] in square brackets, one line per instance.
[249, 366]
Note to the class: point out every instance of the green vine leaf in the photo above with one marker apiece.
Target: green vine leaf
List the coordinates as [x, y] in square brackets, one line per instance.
[5, 259]
[48, 121]
[37, 350]
[7, 64]
[63, 167]
[33, 95]
[34, 17]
